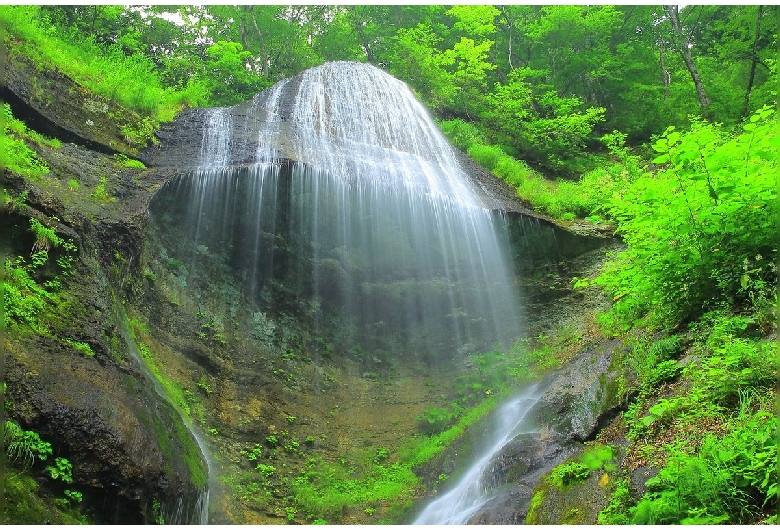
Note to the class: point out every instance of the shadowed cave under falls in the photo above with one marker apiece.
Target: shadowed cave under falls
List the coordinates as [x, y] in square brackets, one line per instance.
[333, 199]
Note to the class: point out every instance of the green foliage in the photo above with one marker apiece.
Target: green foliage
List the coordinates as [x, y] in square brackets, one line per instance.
[730, 480]
[566, 474]
[125, 161]
[490, 374]
[735, 366]
[100, 192]
[26, 292]
[72, 496]
[24, 299]
[325, 491]
[701, 231]
[546, 128]
[228, 80]
[17, 156]
[83, 347]
[434, 420]
[24, 447]
[557, 198]
[15, 204]
[593, 458]
[61, 470]
[615, 512]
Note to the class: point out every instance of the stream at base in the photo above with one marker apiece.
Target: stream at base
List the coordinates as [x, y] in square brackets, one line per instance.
[477, 485]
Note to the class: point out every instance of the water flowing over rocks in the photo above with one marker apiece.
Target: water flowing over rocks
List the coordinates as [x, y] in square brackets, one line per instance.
[583, 396]
[103, 413]
[572, 405]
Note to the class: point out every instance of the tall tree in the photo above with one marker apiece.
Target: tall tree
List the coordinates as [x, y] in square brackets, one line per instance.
[683, 46]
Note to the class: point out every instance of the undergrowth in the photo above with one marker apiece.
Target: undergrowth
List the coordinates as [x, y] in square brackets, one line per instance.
[130, 80]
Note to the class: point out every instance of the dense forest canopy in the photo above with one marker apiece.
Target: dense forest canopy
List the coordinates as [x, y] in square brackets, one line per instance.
[541, 81]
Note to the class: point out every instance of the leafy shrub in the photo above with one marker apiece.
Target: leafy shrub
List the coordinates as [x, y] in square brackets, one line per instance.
[730, 480]
[593, 458]
[662, 372]
[702, 230]
[61, 470]
[736, 365]
[100, 192]
[24, 446]
[433, 421]
[566, 474]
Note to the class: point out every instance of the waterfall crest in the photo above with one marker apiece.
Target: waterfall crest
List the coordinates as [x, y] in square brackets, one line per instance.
[353, 201]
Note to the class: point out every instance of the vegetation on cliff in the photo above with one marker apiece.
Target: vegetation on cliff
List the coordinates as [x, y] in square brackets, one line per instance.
[671, 144]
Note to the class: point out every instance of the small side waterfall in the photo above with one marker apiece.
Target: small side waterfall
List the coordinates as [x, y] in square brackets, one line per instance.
[475, 486]
[179, 511]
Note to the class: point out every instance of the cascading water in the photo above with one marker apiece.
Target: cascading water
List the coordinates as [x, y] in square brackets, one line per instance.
[332, 199]
[352, 200]
[476, 486]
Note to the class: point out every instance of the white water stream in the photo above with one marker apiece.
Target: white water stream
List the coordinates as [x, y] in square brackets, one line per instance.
[475, 487]
[176, 512]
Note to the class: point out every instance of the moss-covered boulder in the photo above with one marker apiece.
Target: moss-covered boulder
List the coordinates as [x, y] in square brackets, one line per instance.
[575, 491]
[584, 395]
[60, 107]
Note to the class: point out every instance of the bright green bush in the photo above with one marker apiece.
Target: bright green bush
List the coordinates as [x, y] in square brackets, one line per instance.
[130, 80]
[731, 480]
[22, 446]
[701, 232]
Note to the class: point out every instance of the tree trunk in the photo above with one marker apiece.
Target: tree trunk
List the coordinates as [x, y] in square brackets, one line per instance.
[753, 63]
[667, 77]
[684, 46]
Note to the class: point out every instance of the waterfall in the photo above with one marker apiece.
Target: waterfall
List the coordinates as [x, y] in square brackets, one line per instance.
[476, 485]
[338, 191]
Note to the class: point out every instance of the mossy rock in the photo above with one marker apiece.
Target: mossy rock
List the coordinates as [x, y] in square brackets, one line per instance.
[25, 504]
[582, 396]
[64, 109]
[576, 497]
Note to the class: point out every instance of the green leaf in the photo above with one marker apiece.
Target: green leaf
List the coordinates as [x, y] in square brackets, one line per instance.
[663, 159]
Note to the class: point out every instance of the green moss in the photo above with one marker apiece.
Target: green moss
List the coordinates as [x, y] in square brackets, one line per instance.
[187, 448]
[26, 503]
[537, 501]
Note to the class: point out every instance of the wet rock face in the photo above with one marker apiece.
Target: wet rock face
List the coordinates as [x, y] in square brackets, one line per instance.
[520, 464]
[98, 412]
[582, 396]
[102, 420]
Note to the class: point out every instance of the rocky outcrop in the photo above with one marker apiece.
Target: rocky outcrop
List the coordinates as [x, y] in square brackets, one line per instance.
[583, 396]
[60, 108]
[128, 446]
[519, 466]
